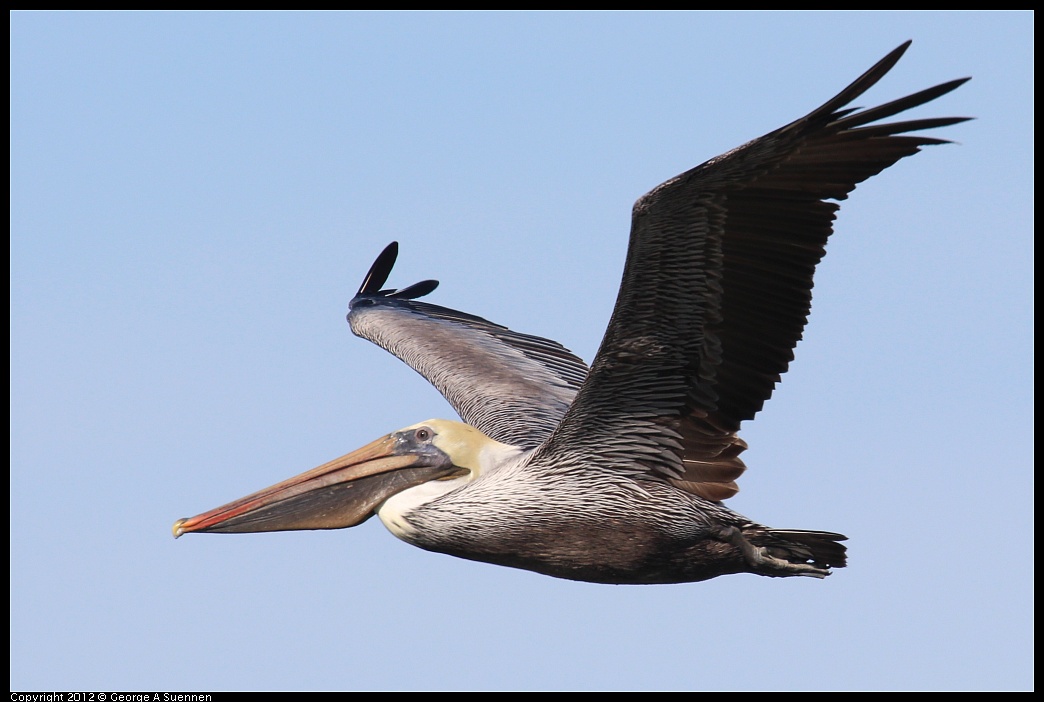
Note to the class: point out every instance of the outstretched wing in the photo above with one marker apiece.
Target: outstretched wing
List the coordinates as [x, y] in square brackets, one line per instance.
[717, 288]
[513, 387]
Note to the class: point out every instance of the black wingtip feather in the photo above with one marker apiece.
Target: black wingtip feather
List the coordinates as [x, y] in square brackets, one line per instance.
[861, 84]
[901, 105]
[378, 275]
[379, 271]
[412, 292]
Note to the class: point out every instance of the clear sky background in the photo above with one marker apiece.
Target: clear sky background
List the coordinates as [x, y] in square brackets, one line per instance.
[196, 197]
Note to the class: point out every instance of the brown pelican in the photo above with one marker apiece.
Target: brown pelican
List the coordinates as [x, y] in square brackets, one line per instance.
[617, 473]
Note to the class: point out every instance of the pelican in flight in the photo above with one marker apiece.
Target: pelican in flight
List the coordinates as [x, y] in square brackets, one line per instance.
[616, 473]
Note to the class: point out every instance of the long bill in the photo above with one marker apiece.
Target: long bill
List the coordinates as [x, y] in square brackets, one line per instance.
[336, 495]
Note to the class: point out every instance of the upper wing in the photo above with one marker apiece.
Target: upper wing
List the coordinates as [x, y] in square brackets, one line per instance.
[513, 387]
[716, 291]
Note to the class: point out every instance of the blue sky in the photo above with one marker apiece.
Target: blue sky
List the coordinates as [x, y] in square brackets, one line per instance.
[195, 198]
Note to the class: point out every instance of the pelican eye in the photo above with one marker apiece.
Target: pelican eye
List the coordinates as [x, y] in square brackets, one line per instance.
[423, 434]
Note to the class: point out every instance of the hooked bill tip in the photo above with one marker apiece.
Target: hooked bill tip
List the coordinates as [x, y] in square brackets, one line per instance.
[177, 527]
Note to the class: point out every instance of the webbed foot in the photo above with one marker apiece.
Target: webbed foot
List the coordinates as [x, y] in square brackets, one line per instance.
[762, 561]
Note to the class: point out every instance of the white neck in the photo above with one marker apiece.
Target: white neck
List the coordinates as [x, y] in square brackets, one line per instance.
[394, 512]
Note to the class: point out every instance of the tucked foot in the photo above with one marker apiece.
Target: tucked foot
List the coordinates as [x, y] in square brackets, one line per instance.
[773, 560]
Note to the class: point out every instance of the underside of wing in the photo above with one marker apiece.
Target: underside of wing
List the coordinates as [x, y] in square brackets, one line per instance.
[513, 387]
[717, 288]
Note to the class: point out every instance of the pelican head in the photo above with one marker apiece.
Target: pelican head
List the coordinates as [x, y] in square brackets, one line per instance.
[417, 464]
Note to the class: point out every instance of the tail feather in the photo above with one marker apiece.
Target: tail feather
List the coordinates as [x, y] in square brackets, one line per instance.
[819, 548]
